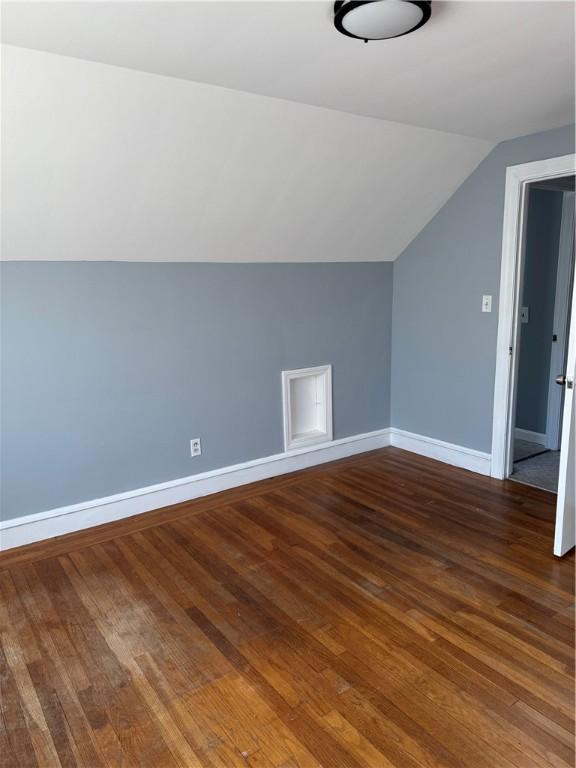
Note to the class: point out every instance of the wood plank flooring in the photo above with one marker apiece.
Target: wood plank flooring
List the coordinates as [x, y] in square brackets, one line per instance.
[383, 611]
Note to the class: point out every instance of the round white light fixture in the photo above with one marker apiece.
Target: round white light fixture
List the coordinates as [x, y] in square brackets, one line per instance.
[380, 19]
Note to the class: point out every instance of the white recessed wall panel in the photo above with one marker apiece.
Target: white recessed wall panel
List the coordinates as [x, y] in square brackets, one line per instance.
[106, 163]
[307, 396]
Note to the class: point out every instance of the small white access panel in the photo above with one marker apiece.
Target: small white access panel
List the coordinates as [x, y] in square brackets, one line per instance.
[307, 395]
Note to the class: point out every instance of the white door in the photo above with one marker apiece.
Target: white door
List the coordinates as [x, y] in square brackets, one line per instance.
[565, 534]
[561, 321]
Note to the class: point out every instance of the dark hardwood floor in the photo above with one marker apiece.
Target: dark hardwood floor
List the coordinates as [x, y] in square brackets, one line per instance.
[385, 610]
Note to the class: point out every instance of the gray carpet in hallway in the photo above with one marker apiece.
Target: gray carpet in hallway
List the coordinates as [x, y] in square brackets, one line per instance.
[541, 471]
[525, 448]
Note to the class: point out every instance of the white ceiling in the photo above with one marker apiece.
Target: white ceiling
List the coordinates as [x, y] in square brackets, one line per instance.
[101, 162]
[492, 70]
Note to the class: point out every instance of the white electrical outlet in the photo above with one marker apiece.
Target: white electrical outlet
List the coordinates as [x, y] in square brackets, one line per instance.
[486, 303]
[195, 447]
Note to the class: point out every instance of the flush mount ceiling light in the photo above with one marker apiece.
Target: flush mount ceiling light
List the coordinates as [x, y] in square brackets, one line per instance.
[380, 19]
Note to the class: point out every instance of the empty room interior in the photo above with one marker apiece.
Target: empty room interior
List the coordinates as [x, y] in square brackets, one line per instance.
[288, 351]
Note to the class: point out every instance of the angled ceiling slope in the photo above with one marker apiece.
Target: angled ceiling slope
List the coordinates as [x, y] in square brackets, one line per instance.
[493, 70]
[106, 163]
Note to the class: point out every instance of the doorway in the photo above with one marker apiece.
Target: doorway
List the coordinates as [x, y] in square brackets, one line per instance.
[546, 276]
[527, 357]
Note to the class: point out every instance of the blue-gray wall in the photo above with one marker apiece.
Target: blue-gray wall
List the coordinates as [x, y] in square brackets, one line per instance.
[110, 368]
[539, 295]
[443, 346]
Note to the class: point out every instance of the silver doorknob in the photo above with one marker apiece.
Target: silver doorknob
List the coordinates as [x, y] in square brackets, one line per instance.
[561, 379]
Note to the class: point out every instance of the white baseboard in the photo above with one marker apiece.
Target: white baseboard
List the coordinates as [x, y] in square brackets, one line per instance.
[457, 455]
[532, 437]
[76, 517]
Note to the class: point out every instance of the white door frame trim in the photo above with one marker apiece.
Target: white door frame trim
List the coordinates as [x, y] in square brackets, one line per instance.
[517, 179]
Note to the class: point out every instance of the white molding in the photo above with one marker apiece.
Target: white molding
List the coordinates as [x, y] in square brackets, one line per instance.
[76, 517]
[532, 437]
[449, 453]
[517, 179]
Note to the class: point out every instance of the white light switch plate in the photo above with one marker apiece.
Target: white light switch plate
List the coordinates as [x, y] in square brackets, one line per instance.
[486, 303]
[523, 314]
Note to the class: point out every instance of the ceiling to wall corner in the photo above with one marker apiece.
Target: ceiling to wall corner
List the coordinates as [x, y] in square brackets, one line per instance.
[252, 131]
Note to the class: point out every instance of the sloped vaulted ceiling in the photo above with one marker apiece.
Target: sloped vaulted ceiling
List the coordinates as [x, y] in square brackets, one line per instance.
[102, 161]
[107, 163]
[490, 69]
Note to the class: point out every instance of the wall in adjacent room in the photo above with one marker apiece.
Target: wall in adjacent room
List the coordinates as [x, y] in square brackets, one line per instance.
[538, 295]
[443, 346]
[109, 369]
